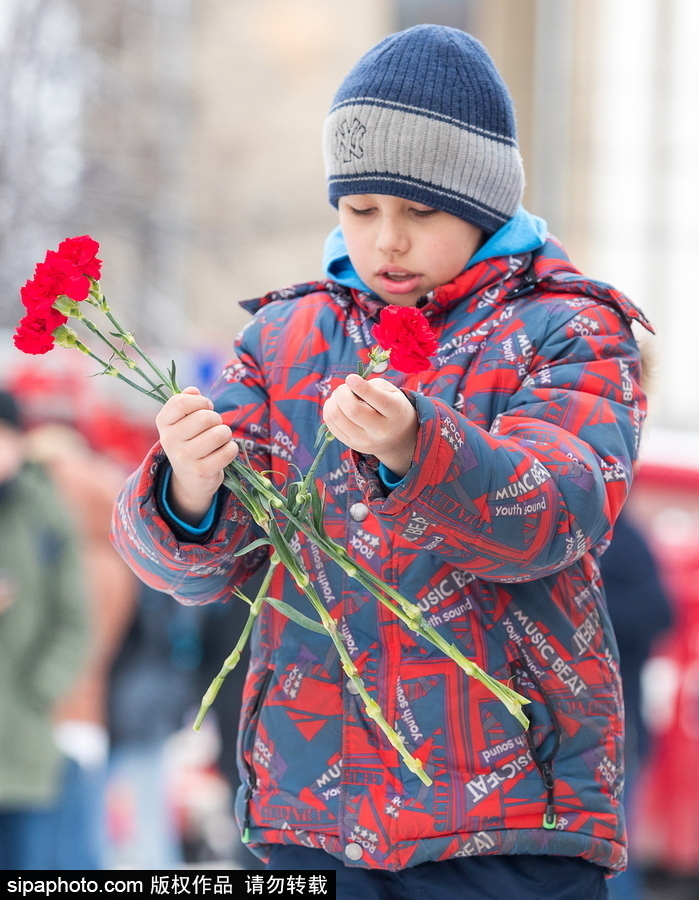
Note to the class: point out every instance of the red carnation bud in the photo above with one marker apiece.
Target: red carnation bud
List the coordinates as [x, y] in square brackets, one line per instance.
[406, 334]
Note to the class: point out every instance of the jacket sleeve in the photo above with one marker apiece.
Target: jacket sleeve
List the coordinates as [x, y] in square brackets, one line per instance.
[196, 572]
[544, 484]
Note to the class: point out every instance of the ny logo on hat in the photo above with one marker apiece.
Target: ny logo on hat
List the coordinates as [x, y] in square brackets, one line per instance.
[349, 138]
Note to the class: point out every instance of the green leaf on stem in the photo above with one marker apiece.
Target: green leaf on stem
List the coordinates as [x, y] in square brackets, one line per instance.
[317, 509]
[287, 555]
[291, 613]
[248, 548]
[241, 596]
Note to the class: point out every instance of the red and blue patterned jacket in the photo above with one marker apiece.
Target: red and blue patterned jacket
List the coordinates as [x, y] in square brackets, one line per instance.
[529, 424]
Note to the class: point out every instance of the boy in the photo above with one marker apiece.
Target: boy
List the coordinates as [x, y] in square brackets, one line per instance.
[484, 489]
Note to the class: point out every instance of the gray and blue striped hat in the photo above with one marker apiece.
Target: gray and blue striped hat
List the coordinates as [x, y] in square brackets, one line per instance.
[425, 115]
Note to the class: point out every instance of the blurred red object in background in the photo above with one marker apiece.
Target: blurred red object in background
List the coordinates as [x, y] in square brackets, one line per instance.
[113, 421]
[665, 499]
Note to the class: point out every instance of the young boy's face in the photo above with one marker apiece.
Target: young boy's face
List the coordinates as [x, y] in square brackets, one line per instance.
[402, 249]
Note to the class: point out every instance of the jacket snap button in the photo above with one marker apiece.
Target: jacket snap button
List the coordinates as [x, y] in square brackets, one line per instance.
[381, 367]
[359, 511]
[353, 851]
[352, 687]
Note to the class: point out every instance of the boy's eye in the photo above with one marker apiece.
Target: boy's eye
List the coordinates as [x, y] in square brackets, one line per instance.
[361, 212]
[424, 213]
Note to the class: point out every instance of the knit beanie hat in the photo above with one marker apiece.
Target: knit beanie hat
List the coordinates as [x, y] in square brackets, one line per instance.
[425, 116]
[9, 411]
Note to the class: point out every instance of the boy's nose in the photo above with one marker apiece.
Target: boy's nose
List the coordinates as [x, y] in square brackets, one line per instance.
[392, 236]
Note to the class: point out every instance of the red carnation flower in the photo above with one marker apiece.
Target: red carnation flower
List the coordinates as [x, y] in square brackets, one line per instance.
[405, 333]
[82, 252]
[53, 278]
[35, 332]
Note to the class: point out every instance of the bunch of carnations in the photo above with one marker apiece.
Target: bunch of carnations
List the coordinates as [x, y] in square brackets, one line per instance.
[66, 284]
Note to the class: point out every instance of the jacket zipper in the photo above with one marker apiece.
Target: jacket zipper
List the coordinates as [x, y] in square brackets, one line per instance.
[545, 766]
[252, 780]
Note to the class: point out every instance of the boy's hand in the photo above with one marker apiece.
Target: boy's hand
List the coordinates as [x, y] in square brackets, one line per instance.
[374, 417]
[199, 446]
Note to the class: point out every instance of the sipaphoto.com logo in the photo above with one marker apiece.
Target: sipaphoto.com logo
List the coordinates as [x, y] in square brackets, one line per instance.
[47, 886]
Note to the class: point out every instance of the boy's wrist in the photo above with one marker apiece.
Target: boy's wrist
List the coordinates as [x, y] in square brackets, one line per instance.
[399, 461]
[189, 507]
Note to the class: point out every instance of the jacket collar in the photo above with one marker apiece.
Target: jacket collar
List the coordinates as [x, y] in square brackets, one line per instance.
[491, 280]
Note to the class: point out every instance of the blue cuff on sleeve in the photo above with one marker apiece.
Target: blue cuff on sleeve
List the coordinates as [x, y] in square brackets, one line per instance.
[390, 479]
[197, 530]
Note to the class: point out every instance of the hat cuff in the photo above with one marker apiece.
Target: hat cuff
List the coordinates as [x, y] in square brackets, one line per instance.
[487, 219]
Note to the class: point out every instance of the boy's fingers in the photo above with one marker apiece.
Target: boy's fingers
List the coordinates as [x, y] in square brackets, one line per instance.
[192, 425]
[341, 426]
[182, 405]
[377, 393]
[207, 442]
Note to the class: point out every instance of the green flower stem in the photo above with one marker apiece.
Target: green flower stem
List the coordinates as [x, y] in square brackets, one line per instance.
[374, 360]
[296, 569]
[405, 611]
[129, 339]
[372, 708]
[233, 658]
[410, 615]
[78, 314]
[155, 391]
[109, 369]
[308, 481]
[511, 699]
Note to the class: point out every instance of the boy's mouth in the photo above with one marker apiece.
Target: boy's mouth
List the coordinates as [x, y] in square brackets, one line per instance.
[398, 276]
[398, 281]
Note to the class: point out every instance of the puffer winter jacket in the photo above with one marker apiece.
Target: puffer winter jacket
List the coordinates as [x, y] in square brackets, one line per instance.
[529, 425]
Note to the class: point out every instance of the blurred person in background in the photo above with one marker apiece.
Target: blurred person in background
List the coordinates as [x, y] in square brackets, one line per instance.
[87, 483]
[640, 610]
[44, 640]
[153, 684]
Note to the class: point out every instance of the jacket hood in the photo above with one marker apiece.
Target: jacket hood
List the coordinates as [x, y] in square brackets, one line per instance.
[521, 234]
